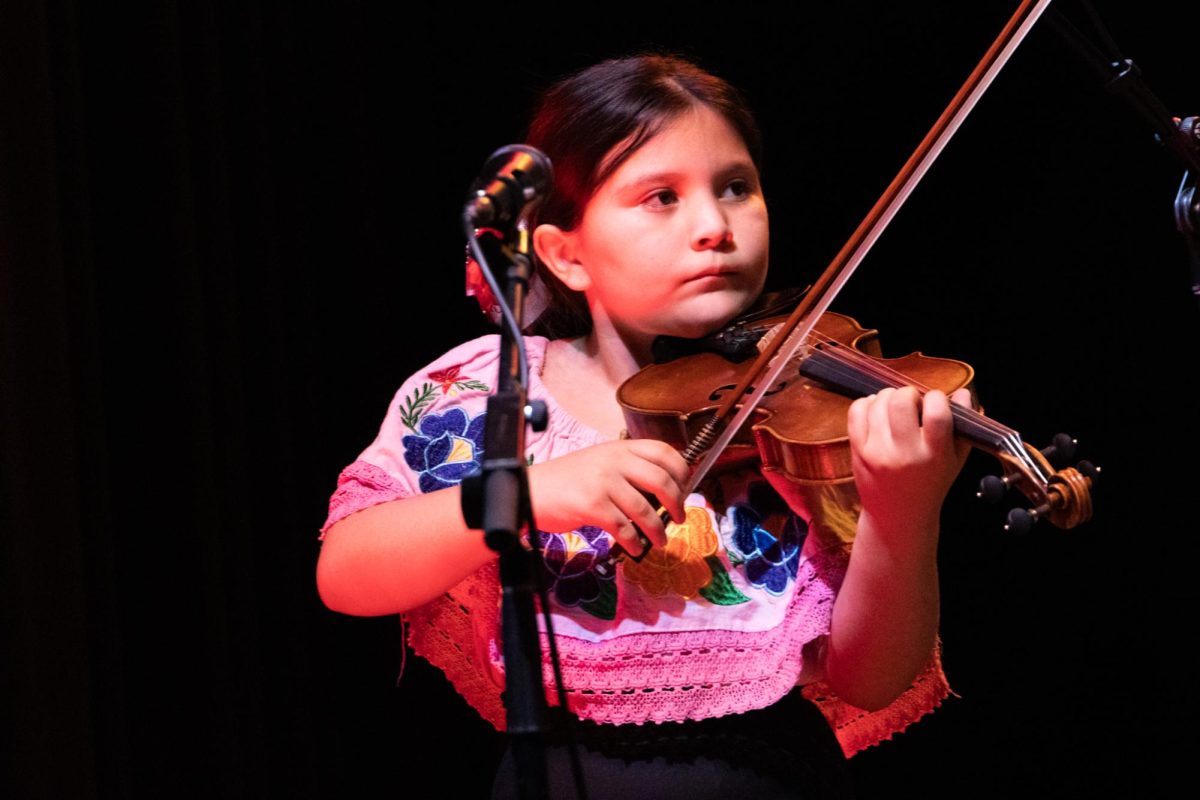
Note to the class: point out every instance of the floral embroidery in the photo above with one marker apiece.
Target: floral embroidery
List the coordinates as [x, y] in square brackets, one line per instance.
[450, 380]
[447, 448]
[769, 560]
[581, 566]
[412, 407]
[681, 567]
[721, 591]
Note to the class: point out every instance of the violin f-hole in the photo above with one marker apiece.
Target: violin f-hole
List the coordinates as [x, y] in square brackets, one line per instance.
[719, 392]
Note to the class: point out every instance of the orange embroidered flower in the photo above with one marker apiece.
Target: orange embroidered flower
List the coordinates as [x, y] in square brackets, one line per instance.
[679, 568]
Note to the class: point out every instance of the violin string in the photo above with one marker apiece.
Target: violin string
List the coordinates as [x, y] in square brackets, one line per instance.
[897, 379]
[885, 374]
[971, 421]
[849, 362]
[1008, 439]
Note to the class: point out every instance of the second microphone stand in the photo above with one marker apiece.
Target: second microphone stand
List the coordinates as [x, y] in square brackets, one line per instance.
[1180, 137]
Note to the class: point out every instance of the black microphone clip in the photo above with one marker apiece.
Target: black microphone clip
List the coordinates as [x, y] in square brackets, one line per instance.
[513, 179]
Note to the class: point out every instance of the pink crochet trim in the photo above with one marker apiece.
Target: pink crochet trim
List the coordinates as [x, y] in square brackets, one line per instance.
[361, 485]
[638, 678]
[857, 729]
[438, 631]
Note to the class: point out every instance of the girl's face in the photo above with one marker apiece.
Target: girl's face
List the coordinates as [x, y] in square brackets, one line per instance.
[675, 240]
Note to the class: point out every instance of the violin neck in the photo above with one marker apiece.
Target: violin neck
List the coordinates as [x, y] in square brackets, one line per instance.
[855, 377]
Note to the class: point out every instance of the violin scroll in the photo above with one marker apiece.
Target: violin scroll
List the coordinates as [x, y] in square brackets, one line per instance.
[1061, 494]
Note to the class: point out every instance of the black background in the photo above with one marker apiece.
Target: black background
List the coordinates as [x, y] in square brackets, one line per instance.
[228, 232]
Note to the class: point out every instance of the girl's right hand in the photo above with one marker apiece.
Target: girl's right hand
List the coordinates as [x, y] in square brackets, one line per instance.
[606, 485]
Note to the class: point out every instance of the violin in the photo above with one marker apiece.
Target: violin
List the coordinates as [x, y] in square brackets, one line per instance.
[799, 429]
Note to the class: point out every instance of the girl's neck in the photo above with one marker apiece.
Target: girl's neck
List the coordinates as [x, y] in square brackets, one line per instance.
[583, 375]
[620, 352]
[614, 354]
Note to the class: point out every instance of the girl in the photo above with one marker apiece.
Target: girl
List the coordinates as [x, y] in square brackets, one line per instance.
[681, 666]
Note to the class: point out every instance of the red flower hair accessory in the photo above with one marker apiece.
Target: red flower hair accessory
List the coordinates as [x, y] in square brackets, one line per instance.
[477, 286]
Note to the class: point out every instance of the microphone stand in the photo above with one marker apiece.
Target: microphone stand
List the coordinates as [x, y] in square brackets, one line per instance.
[1187, 208]
[1181, 137]
[497, 500]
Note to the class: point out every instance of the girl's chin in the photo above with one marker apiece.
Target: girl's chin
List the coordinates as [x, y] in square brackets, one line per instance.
[713, 312]
[698, 327]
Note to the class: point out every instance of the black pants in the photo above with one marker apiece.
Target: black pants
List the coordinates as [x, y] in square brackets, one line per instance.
[785, 751]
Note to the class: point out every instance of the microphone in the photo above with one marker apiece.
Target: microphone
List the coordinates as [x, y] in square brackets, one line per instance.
[513, 177]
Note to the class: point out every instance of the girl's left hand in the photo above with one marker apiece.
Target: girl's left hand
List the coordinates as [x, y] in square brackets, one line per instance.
[904, 453]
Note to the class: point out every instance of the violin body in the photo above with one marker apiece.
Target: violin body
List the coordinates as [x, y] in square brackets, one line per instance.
[799, 429]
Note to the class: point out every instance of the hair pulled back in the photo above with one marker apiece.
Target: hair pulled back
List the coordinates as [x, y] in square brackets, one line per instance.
[592, 121]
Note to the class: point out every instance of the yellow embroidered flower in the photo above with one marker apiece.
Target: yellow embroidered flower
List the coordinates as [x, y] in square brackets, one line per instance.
[679, 568]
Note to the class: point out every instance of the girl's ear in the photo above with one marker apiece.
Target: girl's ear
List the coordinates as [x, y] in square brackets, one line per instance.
[556, 249]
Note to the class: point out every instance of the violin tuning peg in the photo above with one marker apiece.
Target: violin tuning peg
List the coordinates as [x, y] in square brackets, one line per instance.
[992, 489]
[1061, 450]
[1089, 469]
[1020, 521]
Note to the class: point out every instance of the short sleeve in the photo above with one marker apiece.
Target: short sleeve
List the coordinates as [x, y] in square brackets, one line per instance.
[431, 436]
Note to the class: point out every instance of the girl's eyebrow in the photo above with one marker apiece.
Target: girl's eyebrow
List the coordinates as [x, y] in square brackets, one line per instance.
[647, 180]
[655, 178]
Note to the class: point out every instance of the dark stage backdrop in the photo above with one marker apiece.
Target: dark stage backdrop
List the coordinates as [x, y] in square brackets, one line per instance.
[228, 232]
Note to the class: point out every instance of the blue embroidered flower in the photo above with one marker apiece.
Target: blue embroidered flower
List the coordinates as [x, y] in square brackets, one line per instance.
[770, 562]
[447, 448]
[577, 562]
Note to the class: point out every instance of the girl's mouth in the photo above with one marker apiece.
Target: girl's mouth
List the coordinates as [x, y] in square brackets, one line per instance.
[715, 272]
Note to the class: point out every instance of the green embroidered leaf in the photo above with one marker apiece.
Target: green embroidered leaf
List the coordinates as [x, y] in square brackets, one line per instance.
[529, 460]
[604, 606]
[721, 591]
[410, 411]
[471, 384]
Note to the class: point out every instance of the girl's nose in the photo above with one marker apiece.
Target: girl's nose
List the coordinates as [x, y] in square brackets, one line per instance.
[712, 230]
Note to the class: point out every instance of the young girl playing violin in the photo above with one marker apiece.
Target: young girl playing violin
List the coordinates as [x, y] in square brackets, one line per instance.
[688, 670]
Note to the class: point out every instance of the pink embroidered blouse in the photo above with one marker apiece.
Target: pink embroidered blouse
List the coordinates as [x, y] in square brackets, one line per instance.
[729, 617]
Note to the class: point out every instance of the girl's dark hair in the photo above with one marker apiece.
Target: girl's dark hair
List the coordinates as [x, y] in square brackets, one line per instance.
[620, 103]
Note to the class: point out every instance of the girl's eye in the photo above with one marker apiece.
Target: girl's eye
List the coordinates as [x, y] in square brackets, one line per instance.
[660, 199]
[738, 188]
